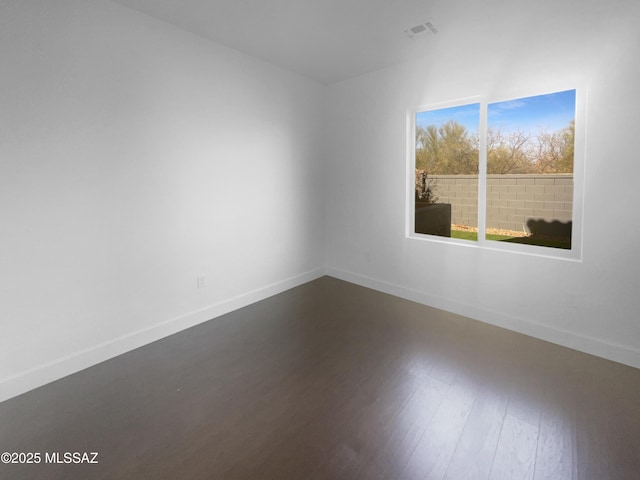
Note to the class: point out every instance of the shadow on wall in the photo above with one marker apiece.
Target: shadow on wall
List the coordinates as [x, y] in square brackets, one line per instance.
[554, 234]
[555, 228]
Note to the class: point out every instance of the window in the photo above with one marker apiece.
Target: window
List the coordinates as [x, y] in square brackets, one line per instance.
[502, 174]
[446, 170]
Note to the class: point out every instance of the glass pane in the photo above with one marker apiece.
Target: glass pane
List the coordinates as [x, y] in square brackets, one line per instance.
[530, 170]
[446, 176]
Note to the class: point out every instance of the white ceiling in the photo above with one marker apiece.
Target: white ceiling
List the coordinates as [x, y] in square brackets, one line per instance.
[327, 40]
[332, 40]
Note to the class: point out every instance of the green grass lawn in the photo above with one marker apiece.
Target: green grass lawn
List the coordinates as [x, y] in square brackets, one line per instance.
[464, 235]
[542, 242]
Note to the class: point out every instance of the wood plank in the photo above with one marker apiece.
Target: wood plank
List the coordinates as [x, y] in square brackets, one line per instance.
[411, 423]
[435, 448]
[474, 453]
[516, 451]
[556, 454]
[332, 380]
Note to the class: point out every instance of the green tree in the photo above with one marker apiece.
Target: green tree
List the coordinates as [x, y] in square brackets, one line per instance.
[508, 153]
[451, 150]
[565, 164]
[427, 148]
[448, 150]
[554, 150]
[458, 155]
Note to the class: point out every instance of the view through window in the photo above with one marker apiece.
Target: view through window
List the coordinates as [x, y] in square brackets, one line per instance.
[446, 193]
[530, 144]
[529, 159]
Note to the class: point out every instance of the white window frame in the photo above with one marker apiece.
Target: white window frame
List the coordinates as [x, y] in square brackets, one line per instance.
[575, 253]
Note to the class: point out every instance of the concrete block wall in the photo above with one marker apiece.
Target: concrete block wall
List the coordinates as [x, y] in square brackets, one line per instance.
[461, 191]
[511, 199]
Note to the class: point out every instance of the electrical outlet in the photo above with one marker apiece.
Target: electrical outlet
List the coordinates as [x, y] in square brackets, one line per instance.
[201, 281]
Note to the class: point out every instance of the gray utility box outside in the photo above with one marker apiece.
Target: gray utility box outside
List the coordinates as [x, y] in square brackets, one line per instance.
[434, 219]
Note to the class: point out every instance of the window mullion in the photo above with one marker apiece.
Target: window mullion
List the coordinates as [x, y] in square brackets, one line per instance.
[482, 173]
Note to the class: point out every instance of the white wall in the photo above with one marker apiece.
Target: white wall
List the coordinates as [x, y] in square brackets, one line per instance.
[134, 158]
[592, 305]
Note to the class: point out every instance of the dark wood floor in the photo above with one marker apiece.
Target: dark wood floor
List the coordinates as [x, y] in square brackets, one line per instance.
[334, 381]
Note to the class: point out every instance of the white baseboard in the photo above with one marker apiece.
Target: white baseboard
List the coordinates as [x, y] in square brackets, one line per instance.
[42, 374]
[617, 353]
[54, 370]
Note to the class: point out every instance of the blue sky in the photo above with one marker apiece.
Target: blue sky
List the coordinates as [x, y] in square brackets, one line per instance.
[467, 115]
[549, 112]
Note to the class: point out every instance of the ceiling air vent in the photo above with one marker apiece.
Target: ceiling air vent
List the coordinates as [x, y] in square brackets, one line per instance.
[420, 30]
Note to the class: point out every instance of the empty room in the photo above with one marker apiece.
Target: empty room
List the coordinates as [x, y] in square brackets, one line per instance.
[304, 239]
